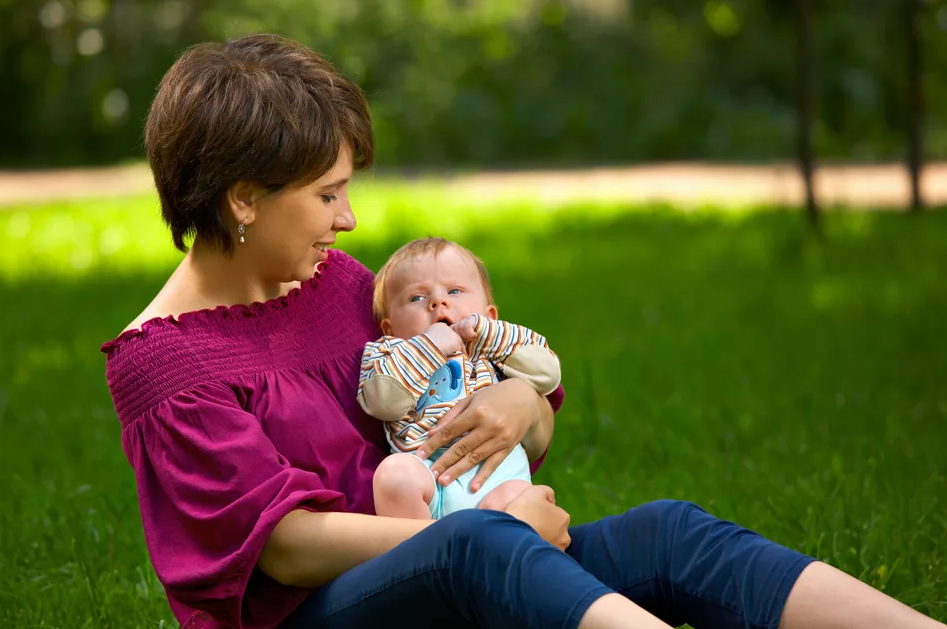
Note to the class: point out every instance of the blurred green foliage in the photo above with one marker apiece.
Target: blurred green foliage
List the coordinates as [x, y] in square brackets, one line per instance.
[492, 82]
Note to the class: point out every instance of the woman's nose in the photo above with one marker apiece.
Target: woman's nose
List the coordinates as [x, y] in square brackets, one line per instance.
[345, 221]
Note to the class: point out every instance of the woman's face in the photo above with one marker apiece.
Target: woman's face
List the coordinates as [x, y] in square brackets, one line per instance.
[288, 231]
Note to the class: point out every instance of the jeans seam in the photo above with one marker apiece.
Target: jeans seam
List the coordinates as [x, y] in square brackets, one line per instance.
[682, 590]
[379, 590]
[792, 569]
[665, 582]
[572, 620]
[690, 506]
[769, 623]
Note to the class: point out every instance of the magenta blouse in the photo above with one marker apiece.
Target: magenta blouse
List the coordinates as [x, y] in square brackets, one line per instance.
[232, 418]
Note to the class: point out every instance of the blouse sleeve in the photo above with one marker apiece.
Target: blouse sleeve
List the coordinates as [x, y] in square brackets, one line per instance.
[212, 487]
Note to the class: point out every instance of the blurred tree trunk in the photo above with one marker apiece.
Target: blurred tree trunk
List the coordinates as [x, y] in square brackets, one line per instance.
[915, 108]
[804, 108]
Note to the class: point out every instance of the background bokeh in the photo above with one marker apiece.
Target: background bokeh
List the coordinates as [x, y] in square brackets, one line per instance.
[718, 351]
[494, 82]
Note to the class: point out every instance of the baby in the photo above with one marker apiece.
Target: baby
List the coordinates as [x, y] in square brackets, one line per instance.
[442, 342]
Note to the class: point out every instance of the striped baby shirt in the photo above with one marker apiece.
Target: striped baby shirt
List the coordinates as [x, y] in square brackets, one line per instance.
[396, 373]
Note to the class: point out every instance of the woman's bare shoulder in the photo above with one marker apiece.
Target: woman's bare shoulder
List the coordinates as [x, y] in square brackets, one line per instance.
[173, 299]
[147, 314]
[159, 308]
[179, 295]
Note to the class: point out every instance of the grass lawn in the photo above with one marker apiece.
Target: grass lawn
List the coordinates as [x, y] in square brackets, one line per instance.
[720, 357]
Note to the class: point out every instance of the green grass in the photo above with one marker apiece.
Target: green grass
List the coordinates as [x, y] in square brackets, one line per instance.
[724, 358]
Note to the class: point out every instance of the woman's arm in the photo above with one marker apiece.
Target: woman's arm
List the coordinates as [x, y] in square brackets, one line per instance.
[539, 436]
[309, 549]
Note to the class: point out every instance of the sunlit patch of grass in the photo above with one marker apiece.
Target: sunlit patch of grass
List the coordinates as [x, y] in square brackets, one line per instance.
[72, 239]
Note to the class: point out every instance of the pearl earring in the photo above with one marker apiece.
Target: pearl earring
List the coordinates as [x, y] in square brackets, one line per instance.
[241, 229]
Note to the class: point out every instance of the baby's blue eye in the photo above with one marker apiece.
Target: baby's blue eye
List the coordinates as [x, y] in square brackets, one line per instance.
[454, 291]
[415, 298]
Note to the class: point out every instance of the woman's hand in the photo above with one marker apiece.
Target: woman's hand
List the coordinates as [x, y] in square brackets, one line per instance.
[537, 507]
[494, 419]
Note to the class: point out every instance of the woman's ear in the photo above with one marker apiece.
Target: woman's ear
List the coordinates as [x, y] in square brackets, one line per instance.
[492, 312]
[241, 200]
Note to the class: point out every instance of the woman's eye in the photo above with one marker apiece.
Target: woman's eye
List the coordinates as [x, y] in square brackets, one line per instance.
[328, 198]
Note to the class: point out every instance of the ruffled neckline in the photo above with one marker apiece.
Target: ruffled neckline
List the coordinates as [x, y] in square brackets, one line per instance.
[235, 311]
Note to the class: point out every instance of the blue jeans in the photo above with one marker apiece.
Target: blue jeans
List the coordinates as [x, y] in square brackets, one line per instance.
[486, 569]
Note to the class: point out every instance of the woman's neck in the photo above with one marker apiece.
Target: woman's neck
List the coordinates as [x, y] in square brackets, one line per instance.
[206, 279]
[225, 280]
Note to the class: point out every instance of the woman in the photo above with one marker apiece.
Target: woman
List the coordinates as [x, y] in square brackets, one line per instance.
[236, 389]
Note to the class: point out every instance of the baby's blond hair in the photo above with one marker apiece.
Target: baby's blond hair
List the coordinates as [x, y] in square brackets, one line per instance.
[416, 249]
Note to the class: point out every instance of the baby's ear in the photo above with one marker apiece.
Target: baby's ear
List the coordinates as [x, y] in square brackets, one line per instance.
[492, 312]
[385, 327]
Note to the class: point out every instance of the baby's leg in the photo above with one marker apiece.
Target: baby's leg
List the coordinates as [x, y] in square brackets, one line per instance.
[403, 487]
[504, 494]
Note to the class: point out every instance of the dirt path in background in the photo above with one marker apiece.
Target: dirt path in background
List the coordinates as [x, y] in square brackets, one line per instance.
[686, 184]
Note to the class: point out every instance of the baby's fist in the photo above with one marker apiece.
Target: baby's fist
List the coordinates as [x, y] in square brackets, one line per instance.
[445, 339]
[466, 328]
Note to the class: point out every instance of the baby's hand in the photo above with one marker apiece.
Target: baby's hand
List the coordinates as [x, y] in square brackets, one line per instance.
[445, 339]
[466, 328]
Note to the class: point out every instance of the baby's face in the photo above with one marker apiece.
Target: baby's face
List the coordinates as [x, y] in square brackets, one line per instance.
[443, 287]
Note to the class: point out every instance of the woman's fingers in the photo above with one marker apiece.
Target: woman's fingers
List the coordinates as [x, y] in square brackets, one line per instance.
[448, 428]
[476, 429]
[490, 465]
[491, 454]
[462, 456]
[483, 440]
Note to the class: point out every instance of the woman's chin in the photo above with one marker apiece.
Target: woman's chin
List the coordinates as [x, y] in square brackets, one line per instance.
[306, 267]
[305, 272]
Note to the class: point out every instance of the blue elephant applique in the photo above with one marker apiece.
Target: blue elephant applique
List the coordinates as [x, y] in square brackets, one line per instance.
[446, 385]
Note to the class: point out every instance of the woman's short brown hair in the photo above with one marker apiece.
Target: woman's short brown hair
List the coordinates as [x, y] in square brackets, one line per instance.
[263, 109]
